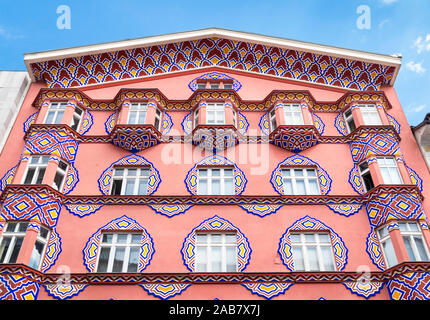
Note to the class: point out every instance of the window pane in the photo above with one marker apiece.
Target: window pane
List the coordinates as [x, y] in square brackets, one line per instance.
[300, 185]
[122, 238]
[390, 255]
[36, 255]
[216, 259]
[313, 187]
[11, 226]
[408, 246]
[298, 172]
[103, 259]
[309, 237]
[118, 260]
[136, 238]
[129, 186]
[231, 259]
[230, 238]
[201, 238]
[421, 248]
[143, 186]
[395, 176]
[324, 238]
[116, 187]
[216, 187]
[59, 117]
[288, 187]
[15, 250]
[312, 258]
[107, 238]
[43, 233]
[228, 187]
[22, 226]
[216, 238]
[141, 119]
[413, 226]
[327, 258]
[132, 117]
[216, 172]
[29, 176]
[133, 259]
[203, 172]
[295, 238]
[299, 264]
[58, 181]
[403, 226]
[118, 172]
[203, 187]
[201, 259]
[228, 172]
[311, 173]
[4, 246]
[50, 117]
[40, 175]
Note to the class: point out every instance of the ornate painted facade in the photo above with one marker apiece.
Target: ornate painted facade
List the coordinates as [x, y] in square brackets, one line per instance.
[212, 165]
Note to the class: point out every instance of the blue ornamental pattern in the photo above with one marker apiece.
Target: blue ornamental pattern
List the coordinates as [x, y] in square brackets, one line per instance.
[164, 291]
[298, 160]
[82, 210]
[261, 210]
[191, 179]
[268, 290]
[170, 210]
[364, 289]
[16, 287]
[216, 223]
[30, 120]
[310, 224]
[64, 291]
[214, 76]
[123, 223]
[133, 160]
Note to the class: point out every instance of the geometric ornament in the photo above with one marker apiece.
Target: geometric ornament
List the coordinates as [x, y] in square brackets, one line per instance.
[132, 161]
[298, 160]
[216, 223]
[410, 286]
[345, 209]
[7, 178]
[53, 250]
[64, 291]
[374, 249]
[82, 210]
[365, 289]
[17, 287]
[30, 120]
[191, 180]
[170, 210]
[268, 290]
[310, 224]
[123, 223]
[261, 210]
[165, 291]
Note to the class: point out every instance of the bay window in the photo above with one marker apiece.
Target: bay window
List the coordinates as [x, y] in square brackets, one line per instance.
[55, 113]
[11, 242]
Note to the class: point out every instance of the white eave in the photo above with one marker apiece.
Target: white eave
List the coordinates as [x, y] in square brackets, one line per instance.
[368, 57]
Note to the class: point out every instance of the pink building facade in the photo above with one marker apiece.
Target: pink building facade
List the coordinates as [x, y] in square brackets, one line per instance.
[213, 164]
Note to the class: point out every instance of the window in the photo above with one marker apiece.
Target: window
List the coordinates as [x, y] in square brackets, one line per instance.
[157, 121]
[214, 85]
[59, 176]
[39, 248]
[293, 114]
[55, 113]
[216, 252]
[234, 117]
[76, 119]
[370, 115]
[196, 118]
[389, 170]
[387, 247]
[130, 181]
[349, 119]
[36, 170]
[366, 177]
[312, 252]
[11, 242]
[137, 113]
[119, 252]
[228, 86]
[201, 86]
[300, 181]
[414, 241]
[215, 113]
[272, 119]
[215, 181]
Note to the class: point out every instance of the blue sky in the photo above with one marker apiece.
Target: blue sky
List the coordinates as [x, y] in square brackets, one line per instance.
[397, 26]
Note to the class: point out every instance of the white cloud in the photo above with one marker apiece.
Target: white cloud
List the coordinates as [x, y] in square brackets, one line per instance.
[416, 67]
[419, 108]
[422, 44]
[382, 23]
[6, 34]
[388, 1]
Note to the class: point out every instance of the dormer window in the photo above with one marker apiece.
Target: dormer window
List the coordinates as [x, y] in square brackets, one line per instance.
[214, 85]
[55, 113]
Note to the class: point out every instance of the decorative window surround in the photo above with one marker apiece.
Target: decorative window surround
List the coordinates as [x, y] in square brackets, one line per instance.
[124, 223]
[214, 224]
[194, 84]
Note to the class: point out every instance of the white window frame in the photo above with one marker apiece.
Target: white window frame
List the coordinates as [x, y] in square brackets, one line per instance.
[215, 85]
[348, 118]
[234, 116]
[407, 232]
[389, 175]
[272, 119]
[387, 244]
[291, 111]
[38, 166]
[196, 118]
[77, 117]
[306, 177]
[363, 172]
[44, 241]
[210, 244]
[218, 110]
[56, 108]
[62, 172]
[230, 86]
[114, 245]
[210, 177]
[201, 85]
[159, 117]
[370, 115]
[14, 235]
[138, 108]
[303, 244]
[136, 179]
